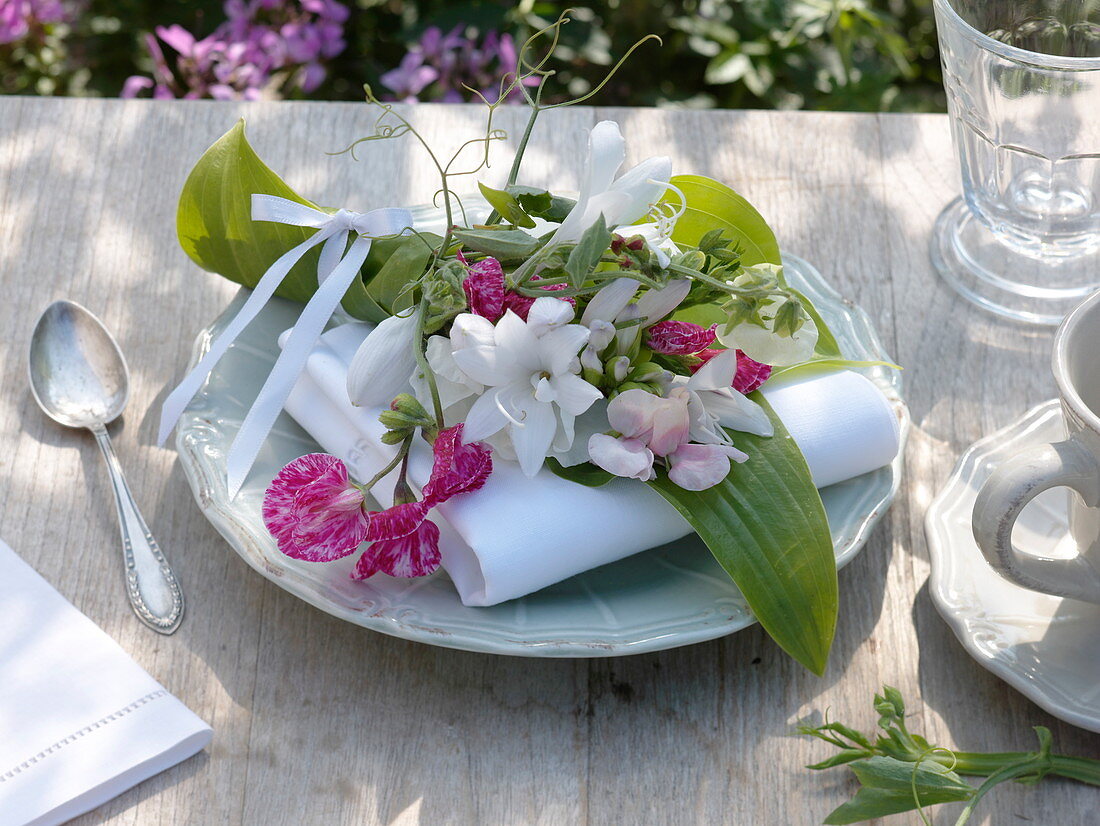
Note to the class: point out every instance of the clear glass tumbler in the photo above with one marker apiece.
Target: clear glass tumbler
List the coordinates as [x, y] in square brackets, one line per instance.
[1023, 92]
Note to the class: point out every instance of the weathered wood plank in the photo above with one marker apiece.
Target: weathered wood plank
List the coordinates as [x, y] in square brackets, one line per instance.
[320, 722]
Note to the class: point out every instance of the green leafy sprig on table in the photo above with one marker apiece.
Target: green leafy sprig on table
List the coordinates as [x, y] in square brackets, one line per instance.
[899, 771]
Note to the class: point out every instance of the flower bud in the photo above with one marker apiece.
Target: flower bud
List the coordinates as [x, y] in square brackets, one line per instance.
[601, 334]
[590, 360]
[692, 259]
[383, 363]
[402, 493]
[619, 368]
[647, 372]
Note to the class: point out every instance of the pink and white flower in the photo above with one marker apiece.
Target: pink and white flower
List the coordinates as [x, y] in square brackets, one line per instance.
[404, 542]
[317, 514]
[750, 374]
[314, 512]
[488, 297]
[654, 427]
[680, 338]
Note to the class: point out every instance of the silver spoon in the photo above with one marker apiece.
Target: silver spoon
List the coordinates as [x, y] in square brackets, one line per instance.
[79, 378]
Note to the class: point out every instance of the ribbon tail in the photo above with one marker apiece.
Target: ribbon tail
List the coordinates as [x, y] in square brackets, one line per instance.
[181, 396]
[273, 395]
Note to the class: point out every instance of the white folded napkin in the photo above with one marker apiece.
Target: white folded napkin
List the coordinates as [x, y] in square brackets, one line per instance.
[519, 534]
[80, 722]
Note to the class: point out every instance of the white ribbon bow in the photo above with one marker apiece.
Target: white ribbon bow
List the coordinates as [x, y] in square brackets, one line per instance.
[336, 270]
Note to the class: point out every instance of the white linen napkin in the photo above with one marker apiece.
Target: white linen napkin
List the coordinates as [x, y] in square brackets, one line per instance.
[517, 535]
[80, 722]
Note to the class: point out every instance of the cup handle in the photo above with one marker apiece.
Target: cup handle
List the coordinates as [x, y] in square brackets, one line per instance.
[1009, 489]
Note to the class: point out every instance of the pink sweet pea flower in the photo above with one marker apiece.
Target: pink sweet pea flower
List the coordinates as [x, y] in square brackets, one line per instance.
[698, 467]
[680, 338]
[654, 427]
[487, 296]
[750, 374]
[484, 288]
[663, 424]
[629, 458]
[404, 543]
[458, 468]
[521, 304]
[412, 555]
[313, 511]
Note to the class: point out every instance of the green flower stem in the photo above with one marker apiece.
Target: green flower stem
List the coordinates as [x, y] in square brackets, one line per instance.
[540, 290]
[1081, 769]
[722, 285]
[1037, 765]
[397, 459]
[425, 368]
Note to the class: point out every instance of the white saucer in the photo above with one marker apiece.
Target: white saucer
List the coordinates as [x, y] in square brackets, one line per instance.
[1046, 647]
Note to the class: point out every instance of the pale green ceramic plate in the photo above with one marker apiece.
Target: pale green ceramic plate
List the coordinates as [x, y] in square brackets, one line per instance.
[669, 596]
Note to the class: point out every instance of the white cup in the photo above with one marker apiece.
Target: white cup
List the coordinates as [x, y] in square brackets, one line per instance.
[1073, 463]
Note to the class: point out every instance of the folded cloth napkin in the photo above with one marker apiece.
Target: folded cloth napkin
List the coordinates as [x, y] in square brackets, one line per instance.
[519, 534]
[80, 722]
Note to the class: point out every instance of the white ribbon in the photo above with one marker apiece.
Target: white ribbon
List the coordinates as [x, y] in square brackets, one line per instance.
[336, 271]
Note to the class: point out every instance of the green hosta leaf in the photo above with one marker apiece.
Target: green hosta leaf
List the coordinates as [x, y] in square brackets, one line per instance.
[506, 204]
[583, 474]
[766, 526]
[712, 205]
[584, 257]
[502, 244]
[825, 365]
[214, 218]
[393, 263]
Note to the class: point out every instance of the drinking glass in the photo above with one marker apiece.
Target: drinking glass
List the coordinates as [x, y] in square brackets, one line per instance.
[1023, 93]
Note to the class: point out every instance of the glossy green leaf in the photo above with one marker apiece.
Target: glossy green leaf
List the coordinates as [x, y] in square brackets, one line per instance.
[712, 205]
[214, 218]
[393, 263]
[583, 474]
[584, 257]
[506, 204]
[825, 365]
[502, 244]
[542, 204]
[890, 786]
[767, 527]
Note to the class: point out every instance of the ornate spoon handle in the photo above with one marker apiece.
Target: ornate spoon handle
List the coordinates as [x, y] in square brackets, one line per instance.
[153, 589]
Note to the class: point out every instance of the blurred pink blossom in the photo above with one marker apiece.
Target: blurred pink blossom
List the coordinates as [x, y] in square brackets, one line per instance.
[445, 67]
[262, 44]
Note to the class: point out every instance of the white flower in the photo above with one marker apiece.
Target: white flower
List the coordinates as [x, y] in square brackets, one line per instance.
[529, 371]
[383, 363]
[713, 404]
[621, 200]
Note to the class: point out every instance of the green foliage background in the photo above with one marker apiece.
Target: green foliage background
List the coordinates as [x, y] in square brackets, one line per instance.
[863, 55]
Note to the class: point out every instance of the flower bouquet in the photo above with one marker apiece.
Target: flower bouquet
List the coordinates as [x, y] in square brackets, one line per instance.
[612, 370]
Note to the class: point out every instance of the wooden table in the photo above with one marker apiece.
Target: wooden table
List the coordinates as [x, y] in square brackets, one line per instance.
[320, 722]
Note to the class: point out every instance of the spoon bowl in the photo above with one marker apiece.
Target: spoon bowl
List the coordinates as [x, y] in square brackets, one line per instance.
[78, 373]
